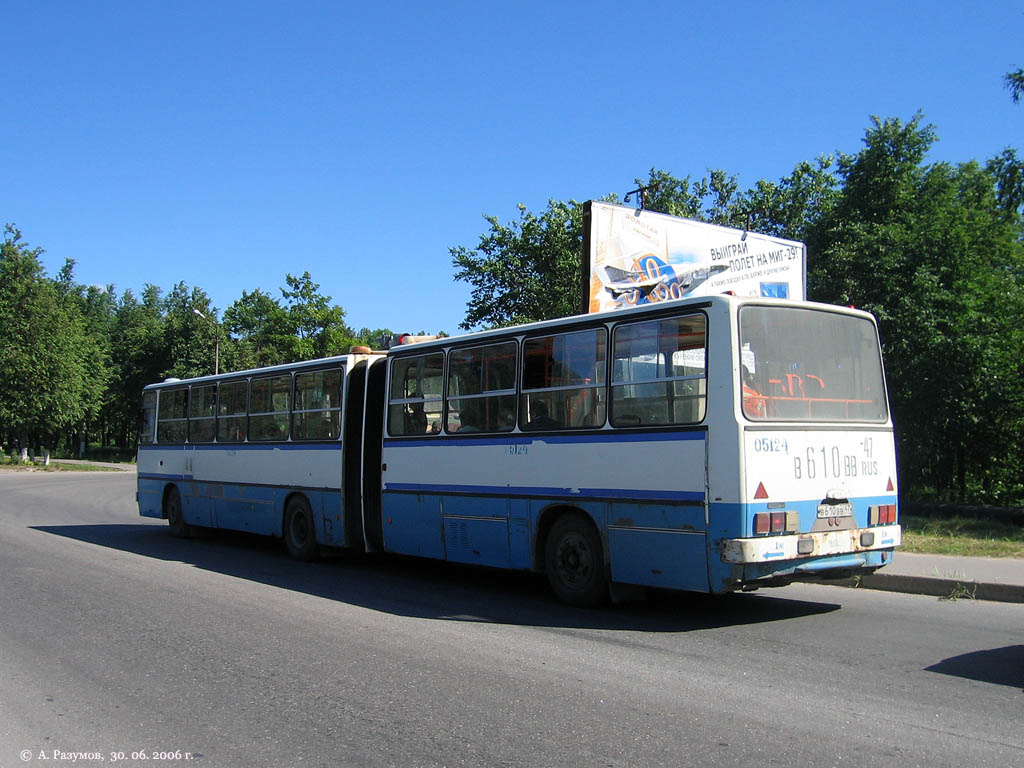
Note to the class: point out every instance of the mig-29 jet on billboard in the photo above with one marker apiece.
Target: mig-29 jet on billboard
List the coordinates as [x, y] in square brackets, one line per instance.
[636, 257]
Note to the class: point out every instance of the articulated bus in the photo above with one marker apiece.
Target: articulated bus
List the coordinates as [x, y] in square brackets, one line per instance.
[711, 444]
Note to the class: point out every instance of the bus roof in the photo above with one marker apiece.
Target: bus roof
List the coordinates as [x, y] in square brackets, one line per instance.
[315, 363]
[615, 315]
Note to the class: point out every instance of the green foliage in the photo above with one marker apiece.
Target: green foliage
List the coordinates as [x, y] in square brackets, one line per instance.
[524, 270]
[962, 535]
[262, 330]
[934, 251]
[76, 358]
[793, 206]
[52, 369]
[318, 325]
[1015, 82]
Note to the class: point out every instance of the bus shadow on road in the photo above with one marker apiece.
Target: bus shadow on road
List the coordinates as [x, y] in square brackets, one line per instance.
[1001, 666]
[432, 589]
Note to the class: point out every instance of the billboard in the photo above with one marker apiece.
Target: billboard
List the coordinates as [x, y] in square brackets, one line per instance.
[633, 257]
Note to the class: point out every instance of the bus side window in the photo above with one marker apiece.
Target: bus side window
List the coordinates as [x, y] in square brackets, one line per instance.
[202, 413]
[414, 399]
[563, 381]
[147, 418]
[481, 393]
[172, 416]
[658, 372]
[270, 408]
[317, 414]
[232, 405]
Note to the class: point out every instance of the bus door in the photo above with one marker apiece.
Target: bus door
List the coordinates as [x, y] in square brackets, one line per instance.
[372, 449]
[351, 481]
[195, 492]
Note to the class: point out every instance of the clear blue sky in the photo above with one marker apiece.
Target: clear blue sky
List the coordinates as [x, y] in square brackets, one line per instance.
[226, 143]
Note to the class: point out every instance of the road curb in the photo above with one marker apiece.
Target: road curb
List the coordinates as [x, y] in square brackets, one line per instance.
[953, 589]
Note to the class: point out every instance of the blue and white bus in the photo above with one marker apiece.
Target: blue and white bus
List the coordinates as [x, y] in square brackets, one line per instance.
[709, 444]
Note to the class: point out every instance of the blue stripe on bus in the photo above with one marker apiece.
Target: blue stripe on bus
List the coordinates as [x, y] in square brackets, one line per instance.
[329, 446]
[505, 490]
[527, 439]
[237, 483]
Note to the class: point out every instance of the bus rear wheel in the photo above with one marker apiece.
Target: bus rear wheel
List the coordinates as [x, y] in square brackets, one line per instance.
[574, 561]
[174, 514]
[299, 530]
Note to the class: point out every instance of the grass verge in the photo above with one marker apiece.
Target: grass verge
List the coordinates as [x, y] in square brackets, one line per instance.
[968, 536]
[54, 466]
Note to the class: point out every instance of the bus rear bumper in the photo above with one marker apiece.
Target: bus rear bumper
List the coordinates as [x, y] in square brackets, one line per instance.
[807, 546]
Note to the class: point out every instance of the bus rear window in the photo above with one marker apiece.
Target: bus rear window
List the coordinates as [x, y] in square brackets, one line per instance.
[810, 365]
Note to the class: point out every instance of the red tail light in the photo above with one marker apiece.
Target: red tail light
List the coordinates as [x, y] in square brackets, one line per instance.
[782, 521]
[884, 514]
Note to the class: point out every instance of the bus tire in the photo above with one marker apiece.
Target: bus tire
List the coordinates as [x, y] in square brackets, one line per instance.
[574, 561]
[299, 530]
[175, 515]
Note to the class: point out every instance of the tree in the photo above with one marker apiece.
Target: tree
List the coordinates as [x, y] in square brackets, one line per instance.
[138, 358]
[189, 341]
[793, 206]
[1015, 82]
[934, 252]
[97, 308]
[318, 325]
[262, 328]
[524, 270]
[51, 369]
[713, 199]
[529, 269]
[306, 326]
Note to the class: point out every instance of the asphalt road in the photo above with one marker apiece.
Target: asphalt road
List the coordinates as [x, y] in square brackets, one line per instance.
[117, 639]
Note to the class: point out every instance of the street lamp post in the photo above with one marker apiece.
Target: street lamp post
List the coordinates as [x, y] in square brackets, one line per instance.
[216, 341]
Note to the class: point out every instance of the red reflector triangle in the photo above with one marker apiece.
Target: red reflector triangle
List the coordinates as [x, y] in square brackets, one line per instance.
[890, 486]
[760, 493]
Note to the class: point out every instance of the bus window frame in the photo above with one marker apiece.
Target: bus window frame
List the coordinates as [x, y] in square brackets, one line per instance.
[290, 375]
[598, 388]
[164, 393]
[752, 401]
[669, 381]
[243, 415]
[390, 401]
[148, 417]
[295, 411]
[196, 420]
[483, 394]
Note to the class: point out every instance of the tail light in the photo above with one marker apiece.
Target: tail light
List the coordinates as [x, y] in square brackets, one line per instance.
[783, 521]
[883, 514]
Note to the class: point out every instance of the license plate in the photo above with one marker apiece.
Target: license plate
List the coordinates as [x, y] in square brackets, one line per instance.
[835, 510]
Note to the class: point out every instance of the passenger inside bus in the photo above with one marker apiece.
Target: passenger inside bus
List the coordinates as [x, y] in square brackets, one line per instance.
[755, 406]
[540, 417]
[416, 420]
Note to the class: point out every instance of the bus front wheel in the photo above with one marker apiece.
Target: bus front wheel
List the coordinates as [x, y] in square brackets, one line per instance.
[299, 531]
[175, 517]
[574, 561]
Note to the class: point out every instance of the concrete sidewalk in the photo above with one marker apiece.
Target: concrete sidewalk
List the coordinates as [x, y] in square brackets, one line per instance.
[978, 578]
[121, 466]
